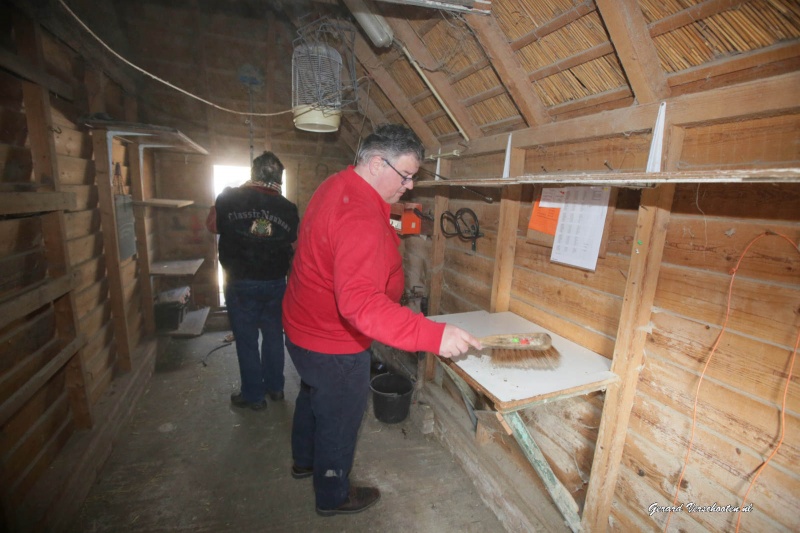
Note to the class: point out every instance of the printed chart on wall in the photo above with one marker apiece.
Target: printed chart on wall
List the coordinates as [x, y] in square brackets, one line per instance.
[579, 231]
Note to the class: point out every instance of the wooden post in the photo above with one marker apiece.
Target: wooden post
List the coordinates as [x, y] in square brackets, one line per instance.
[38, 113]
[441, 201]
[135, 161]
[506, 246]
[101, 141]
[640, 289]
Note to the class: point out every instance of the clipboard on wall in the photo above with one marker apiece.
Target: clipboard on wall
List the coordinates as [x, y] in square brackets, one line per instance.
[544, 217]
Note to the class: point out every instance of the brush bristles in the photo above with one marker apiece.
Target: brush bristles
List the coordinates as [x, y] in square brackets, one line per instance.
[533, 359]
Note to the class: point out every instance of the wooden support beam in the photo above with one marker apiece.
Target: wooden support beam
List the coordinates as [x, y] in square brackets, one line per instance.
[24, 393]
[135, 164]
[370, 108]
[506, 247]
[101, 141]
[692, 14]
[640, 289]
[38, 113]
[35, 297]
[11, 61]
[441, 202]
[739, 62]
[388, 85]
[574, 60]
[634, 47]
[567, 17]
[686, 109]
[561, 496]
[420, 53]
[508, 69]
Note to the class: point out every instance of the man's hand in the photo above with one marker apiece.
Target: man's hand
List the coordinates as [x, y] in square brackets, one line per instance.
[456, 341]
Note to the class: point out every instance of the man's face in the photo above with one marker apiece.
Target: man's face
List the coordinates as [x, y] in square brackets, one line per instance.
[395, 178]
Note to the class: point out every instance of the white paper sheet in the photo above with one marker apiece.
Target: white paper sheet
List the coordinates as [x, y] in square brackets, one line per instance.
[553, 196]
[580, 227]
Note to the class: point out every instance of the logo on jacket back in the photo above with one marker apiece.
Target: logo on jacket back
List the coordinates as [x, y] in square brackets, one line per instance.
[261, 228]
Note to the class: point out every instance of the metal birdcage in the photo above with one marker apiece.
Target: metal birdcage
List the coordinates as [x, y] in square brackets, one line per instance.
[321, 77]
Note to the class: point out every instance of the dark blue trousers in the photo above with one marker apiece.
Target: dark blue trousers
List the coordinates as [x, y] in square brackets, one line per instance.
[255, 306]
[334, 390]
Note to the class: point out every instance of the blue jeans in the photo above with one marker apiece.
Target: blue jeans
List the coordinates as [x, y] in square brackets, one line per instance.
[334, 390]
[253, 306]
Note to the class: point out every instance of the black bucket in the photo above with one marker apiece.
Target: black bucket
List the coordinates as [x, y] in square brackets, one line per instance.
[391, 397]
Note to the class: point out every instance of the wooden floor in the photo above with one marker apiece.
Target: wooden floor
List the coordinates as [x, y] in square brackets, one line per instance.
[188, 461]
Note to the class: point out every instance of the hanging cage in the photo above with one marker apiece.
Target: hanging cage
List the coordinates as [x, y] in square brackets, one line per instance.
[316, 87]
[319, 88]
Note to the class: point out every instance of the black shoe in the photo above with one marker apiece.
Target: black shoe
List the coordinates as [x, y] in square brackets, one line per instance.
[238, 401]
[276, 396]
[300, 473]
[358, 499]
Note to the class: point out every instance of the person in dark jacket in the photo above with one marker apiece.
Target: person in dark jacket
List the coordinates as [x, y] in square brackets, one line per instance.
[257, 230]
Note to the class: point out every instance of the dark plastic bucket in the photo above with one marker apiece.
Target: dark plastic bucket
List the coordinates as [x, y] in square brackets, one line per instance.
[391, 397]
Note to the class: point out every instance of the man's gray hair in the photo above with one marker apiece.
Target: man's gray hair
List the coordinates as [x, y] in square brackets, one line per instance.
[390, 141]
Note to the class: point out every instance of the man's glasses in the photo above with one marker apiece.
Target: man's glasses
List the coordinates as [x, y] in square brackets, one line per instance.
[406, 179]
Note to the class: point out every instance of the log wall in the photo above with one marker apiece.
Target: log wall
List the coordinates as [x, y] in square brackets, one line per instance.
[63, 386]
[737, 424]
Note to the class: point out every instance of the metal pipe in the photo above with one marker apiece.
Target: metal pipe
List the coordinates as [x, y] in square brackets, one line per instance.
[433, 90]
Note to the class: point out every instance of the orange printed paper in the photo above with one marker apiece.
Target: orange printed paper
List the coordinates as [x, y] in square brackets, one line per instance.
[544, 219]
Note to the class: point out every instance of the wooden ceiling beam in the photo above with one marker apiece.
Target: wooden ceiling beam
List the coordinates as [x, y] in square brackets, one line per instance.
[508, 69]
[696, 13]
[425, 28]
[369, 107]
[620, 93]
[720, 67]
[635, 48]
[469, 71]
[419, 51]
[389, 86]
[684, 110]
[553, 25]
[567, 63]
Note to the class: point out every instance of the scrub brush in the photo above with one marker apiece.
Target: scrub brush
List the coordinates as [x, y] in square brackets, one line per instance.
[522, 350]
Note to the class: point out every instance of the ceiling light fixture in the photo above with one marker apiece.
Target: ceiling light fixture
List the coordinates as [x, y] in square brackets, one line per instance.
[374, 25]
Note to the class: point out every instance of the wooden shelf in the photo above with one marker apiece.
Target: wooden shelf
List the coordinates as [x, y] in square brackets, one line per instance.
[629, 179]
[162, 202]
[162, 137]
[187, 267]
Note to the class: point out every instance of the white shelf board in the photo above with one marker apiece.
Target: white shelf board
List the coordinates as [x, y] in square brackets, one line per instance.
[580, 370]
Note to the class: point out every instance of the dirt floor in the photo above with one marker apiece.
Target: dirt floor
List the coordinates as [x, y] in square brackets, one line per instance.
[189, 461]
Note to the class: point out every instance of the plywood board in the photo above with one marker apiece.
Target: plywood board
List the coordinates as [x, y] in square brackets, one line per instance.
[580, 369]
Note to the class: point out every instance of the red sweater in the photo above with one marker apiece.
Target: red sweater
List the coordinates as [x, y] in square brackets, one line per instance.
[347, 276]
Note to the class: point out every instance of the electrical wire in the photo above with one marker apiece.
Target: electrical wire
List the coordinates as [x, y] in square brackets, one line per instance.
[153, 76]
[796, 247]
[203, 362]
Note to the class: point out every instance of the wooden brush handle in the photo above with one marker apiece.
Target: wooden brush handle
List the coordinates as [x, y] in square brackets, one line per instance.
[518, 341]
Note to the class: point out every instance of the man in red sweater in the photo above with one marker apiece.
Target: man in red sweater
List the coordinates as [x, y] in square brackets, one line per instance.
[343, 293]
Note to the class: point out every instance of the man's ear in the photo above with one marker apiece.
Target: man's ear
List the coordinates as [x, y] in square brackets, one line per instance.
[375, 164]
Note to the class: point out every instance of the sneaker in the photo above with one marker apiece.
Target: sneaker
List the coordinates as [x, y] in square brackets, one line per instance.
[359, 499]
[300, 473]
[238, 401]
[276, 396]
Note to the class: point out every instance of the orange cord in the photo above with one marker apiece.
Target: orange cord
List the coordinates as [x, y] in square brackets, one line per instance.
[703, 373]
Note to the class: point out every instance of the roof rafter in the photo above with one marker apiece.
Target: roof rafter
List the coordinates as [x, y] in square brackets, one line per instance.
[565, 18]
[419, 51]
[635, 48]
[509, 71]
[388, 85]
